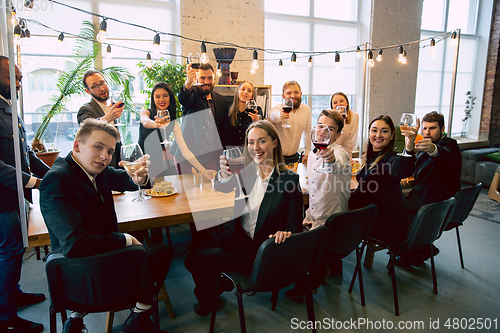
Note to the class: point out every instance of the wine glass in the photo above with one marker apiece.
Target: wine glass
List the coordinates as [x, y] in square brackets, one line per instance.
[320, 136]
[132, 157]
[195, 61]
[115, 98]
[342, 110]
[236, 164]
[251, 107]
[164, 119]
[287, 108]
[408, 120]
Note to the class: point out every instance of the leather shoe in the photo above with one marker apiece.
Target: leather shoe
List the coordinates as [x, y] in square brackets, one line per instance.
[205, 308]
[24, 299]
[20, 325]
[138, 322]
[74, 325]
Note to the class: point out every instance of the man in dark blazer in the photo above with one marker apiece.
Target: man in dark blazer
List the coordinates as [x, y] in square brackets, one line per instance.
[99, 107]
[11, 242]
[78, 209]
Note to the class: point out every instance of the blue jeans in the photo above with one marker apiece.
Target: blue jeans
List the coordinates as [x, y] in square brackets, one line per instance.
[11, 258]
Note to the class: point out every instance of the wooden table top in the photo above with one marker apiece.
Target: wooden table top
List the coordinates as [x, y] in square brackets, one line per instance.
[190, 204]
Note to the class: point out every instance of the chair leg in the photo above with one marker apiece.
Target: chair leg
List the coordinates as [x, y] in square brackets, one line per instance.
[361, 288]
[53, 324]
[214, 306]
[37, 250]
[241, 312]
[394, 288]
[459, 247]
[46, 252]
[163, 297]
[309, 302]
[433, 268]
[110, 316]
[355, 273]
[156, 315]
[274, 299]
[169, 239]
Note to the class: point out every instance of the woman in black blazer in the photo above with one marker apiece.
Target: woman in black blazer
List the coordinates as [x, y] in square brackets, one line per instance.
[273, 209]
[379, 180]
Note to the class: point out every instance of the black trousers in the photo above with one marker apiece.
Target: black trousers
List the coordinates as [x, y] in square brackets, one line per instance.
[160, 258]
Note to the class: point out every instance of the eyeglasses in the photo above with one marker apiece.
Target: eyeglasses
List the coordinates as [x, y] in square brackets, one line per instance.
[98, 86]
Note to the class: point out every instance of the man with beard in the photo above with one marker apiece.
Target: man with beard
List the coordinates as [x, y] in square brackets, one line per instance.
[300, 121]
[98, 107]
[11, 239]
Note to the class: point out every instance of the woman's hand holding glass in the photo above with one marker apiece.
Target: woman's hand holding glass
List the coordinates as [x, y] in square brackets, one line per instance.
[224, 167]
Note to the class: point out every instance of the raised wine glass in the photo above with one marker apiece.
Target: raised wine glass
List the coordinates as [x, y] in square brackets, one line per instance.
[320, 137]
[251, 107]
[164, 119]
[132, 157]
[287, 108]
[407, 122]
[116, 97]
[342, 110]
[195, 61]
[236, 164]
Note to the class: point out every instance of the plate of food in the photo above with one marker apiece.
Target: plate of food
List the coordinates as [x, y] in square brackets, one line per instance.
[163, 189]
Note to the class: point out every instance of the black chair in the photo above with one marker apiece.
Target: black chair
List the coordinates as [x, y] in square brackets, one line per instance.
[111, 281]
[277, 266]
[349, 231]
[465, 200]
[424, 230]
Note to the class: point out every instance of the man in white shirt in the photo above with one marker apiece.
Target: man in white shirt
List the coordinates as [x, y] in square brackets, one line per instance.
[99, 107]
[299, 119]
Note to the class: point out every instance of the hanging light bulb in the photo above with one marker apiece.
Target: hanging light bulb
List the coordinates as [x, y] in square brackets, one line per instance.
[253, 71]
[379, 57]
[280, 65]
[405, 60]
[337, 60]
[310, 62]
[17, 35]
[454, 39]
[400, 56]
[433, 48]
[108, 52]
[358, 52]
[25, 38]
[101, 36]
[28, 8]
[293, 61]
[61, 37]
[156, 45]
[255, 61]
[149, 62]
[204, 56]
[14, 17]
[219, 70]
[371, 63]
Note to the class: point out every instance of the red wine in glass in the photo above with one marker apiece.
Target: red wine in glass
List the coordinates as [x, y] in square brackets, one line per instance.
[195, 65]
[235, 166]
[287, 109]
[320, 146]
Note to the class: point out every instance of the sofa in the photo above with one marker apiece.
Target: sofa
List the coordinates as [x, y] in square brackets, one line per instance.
[472, 172]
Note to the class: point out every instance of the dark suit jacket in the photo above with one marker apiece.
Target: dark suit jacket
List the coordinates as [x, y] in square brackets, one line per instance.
[79, 222]
[29, 161]
[93, 110]
[281, 208]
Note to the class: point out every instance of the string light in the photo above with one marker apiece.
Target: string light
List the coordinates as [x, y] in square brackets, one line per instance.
[101, 36]
[255, 61]
[371, 63]
[108, 52]
[280, 65]
[337, 60]
[219, 70]
[379, 57]
[433, 48]
[156, 45]
[204, 56]
[25, 38]
[310, 62]
[149, 62]
[61, 37]
[454, 39]
[358, 52]
[293, 61]
[400, 56]
[17, 35]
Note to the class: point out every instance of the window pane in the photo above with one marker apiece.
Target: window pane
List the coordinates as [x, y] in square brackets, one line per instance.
[345, 10]
[428, 89]
[461, 14]
[292, 7]
[433, 15]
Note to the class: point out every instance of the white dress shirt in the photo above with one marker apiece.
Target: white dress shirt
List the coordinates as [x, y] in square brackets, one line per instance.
[328, 193]
[349, 135]
[300, 120]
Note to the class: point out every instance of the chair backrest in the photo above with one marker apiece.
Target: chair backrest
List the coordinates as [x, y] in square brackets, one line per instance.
[347, 230]
[279, 265]
[104, 282]
[426, 225]
[465, 200]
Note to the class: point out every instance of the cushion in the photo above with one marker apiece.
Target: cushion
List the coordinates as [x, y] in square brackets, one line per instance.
[495, 157]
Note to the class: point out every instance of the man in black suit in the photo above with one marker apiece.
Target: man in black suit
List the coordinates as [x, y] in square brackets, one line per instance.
[99, 107]
[11, 242]
[78, 209]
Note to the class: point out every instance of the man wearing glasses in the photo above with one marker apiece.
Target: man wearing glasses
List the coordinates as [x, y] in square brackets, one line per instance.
[99, 107]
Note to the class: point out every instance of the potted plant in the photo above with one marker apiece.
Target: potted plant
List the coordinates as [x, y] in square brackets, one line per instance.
[69, 84]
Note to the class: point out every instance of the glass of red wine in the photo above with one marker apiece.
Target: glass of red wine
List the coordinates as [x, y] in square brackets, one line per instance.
[287, 108]
[407, 122]
[251, 107]
[236, 163]
[118, 97]
[194, 60]
[342, 110]
[320, 137]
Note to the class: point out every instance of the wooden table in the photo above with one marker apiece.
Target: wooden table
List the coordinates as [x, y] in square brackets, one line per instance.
[190, 204]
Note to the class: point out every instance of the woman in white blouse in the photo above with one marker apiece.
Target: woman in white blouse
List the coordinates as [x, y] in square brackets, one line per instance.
[351, 122]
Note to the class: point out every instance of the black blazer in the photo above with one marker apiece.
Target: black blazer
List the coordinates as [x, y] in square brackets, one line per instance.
[281, 208]
[93, 110]
[79, 222]
[29, 162]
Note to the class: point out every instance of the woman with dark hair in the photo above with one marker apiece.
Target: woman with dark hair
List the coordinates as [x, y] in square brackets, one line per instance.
[162, 98]
[272, 210]
[240, 117]
[349, 135]
[379, 180]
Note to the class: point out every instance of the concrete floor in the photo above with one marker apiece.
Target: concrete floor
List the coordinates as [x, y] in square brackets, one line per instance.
[463, 294]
